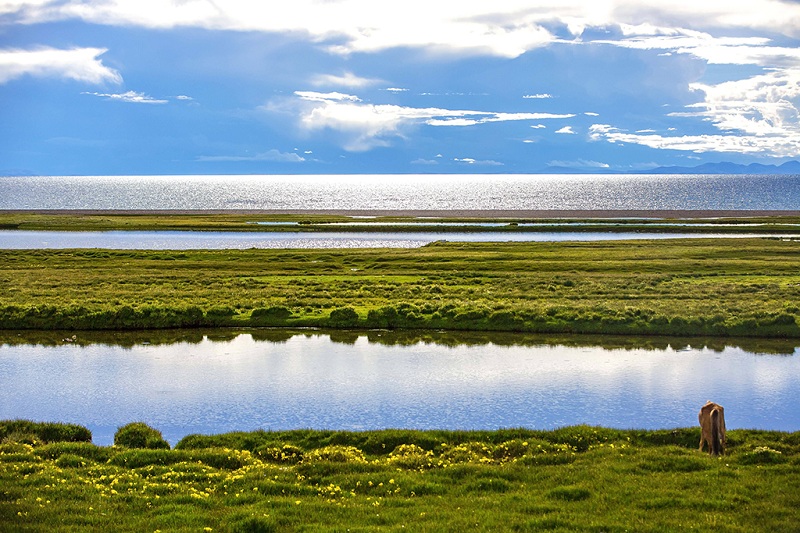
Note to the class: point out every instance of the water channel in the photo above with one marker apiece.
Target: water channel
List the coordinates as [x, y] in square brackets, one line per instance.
[238, 240]
[185, 382]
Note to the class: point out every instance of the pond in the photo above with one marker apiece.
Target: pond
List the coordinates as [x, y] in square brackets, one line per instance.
[185, 382]
[238, 240]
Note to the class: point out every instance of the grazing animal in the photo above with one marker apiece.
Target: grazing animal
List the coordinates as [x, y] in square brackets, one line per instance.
[712, 428]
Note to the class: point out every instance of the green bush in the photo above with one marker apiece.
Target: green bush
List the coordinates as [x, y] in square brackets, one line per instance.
[343, 316]
[69, 460]
[44, 431]
[336, 454]
[762, 455]
[139, 435]
[287, 454]
[272, 314]
[85, 450]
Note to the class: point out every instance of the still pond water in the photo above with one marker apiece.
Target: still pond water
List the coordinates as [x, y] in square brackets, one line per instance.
[238, 240]
[213, 382]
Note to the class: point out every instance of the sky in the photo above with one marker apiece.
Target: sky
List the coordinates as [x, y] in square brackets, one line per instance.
[129, 87]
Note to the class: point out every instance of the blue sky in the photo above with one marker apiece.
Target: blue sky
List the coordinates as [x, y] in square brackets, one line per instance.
[363, 86]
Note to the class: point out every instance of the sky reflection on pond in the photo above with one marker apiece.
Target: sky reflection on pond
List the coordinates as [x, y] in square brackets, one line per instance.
[239, 240]
[225, 381]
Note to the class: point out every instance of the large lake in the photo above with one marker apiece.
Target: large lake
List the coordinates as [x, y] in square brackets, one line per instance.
[403, 192]
[194, 382]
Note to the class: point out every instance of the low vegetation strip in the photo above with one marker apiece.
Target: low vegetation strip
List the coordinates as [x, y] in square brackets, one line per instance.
[741, 287]
[782, 222]
[573, 478]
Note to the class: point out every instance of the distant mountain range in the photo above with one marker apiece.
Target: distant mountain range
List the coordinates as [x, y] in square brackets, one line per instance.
[790, 167]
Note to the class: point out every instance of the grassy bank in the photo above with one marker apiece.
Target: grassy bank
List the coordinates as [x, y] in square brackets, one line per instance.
[316, 222]
[575, 478]
[741, 287]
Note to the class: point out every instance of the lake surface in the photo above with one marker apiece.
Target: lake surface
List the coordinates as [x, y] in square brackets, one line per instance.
[403, 192]
[233, 240]
[194, 382]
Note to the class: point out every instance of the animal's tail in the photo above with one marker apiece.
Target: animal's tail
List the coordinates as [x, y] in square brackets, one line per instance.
[716, 443]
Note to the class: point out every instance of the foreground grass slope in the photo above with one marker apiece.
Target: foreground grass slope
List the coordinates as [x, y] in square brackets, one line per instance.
[747, 287]
[575, 478]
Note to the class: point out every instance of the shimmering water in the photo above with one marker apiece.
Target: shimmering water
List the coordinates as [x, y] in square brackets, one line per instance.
[272, 379]
[222, 240]
[403, 192]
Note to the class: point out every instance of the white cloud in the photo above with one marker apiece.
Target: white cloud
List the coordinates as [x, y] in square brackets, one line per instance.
[537, 96]
[538, 126]
[326, 97]
[184, 97]
[364, 126]
[80, 64]
[567, 130]
[270, 155]
[472, 161]
[396, 90]
[130, 97]
[507, 28]
[591, 114]
[767, 104]
[348, 79]
[770, 145]
[756, 115]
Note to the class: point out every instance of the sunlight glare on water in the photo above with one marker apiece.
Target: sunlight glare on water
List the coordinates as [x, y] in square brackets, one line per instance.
[402, 192]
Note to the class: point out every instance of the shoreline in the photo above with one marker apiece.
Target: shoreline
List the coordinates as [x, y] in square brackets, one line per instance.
[430, 213]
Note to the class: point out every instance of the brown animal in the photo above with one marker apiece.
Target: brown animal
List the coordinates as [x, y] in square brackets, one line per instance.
[712, 428]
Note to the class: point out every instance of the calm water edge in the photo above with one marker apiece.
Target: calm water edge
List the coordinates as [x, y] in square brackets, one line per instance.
[238, 240]
[403, 192]
[273, 379]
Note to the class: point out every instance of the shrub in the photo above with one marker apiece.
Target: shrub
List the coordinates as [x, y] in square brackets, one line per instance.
[468, 452]
[411, 457]
[762, 455]
[288, 454]
[69, 460]
[139, 435]
[44, 431]
[336, 454]
[343, 316]
[85, 450]
[269, 315]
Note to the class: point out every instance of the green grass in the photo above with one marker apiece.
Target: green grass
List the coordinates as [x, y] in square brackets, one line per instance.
[220, 221]
[571, 479]
[740, 287]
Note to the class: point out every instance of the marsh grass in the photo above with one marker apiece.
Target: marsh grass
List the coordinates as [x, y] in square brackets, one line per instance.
[741, 287]
[176, 221]
[596, 479]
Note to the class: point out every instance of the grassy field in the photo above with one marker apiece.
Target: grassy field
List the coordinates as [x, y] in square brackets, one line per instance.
[741, 287]
[571, 479]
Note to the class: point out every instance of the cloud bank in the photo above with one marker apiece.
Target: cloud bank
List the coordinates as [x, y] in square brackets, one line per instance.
[363, 126]
[79, 64]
